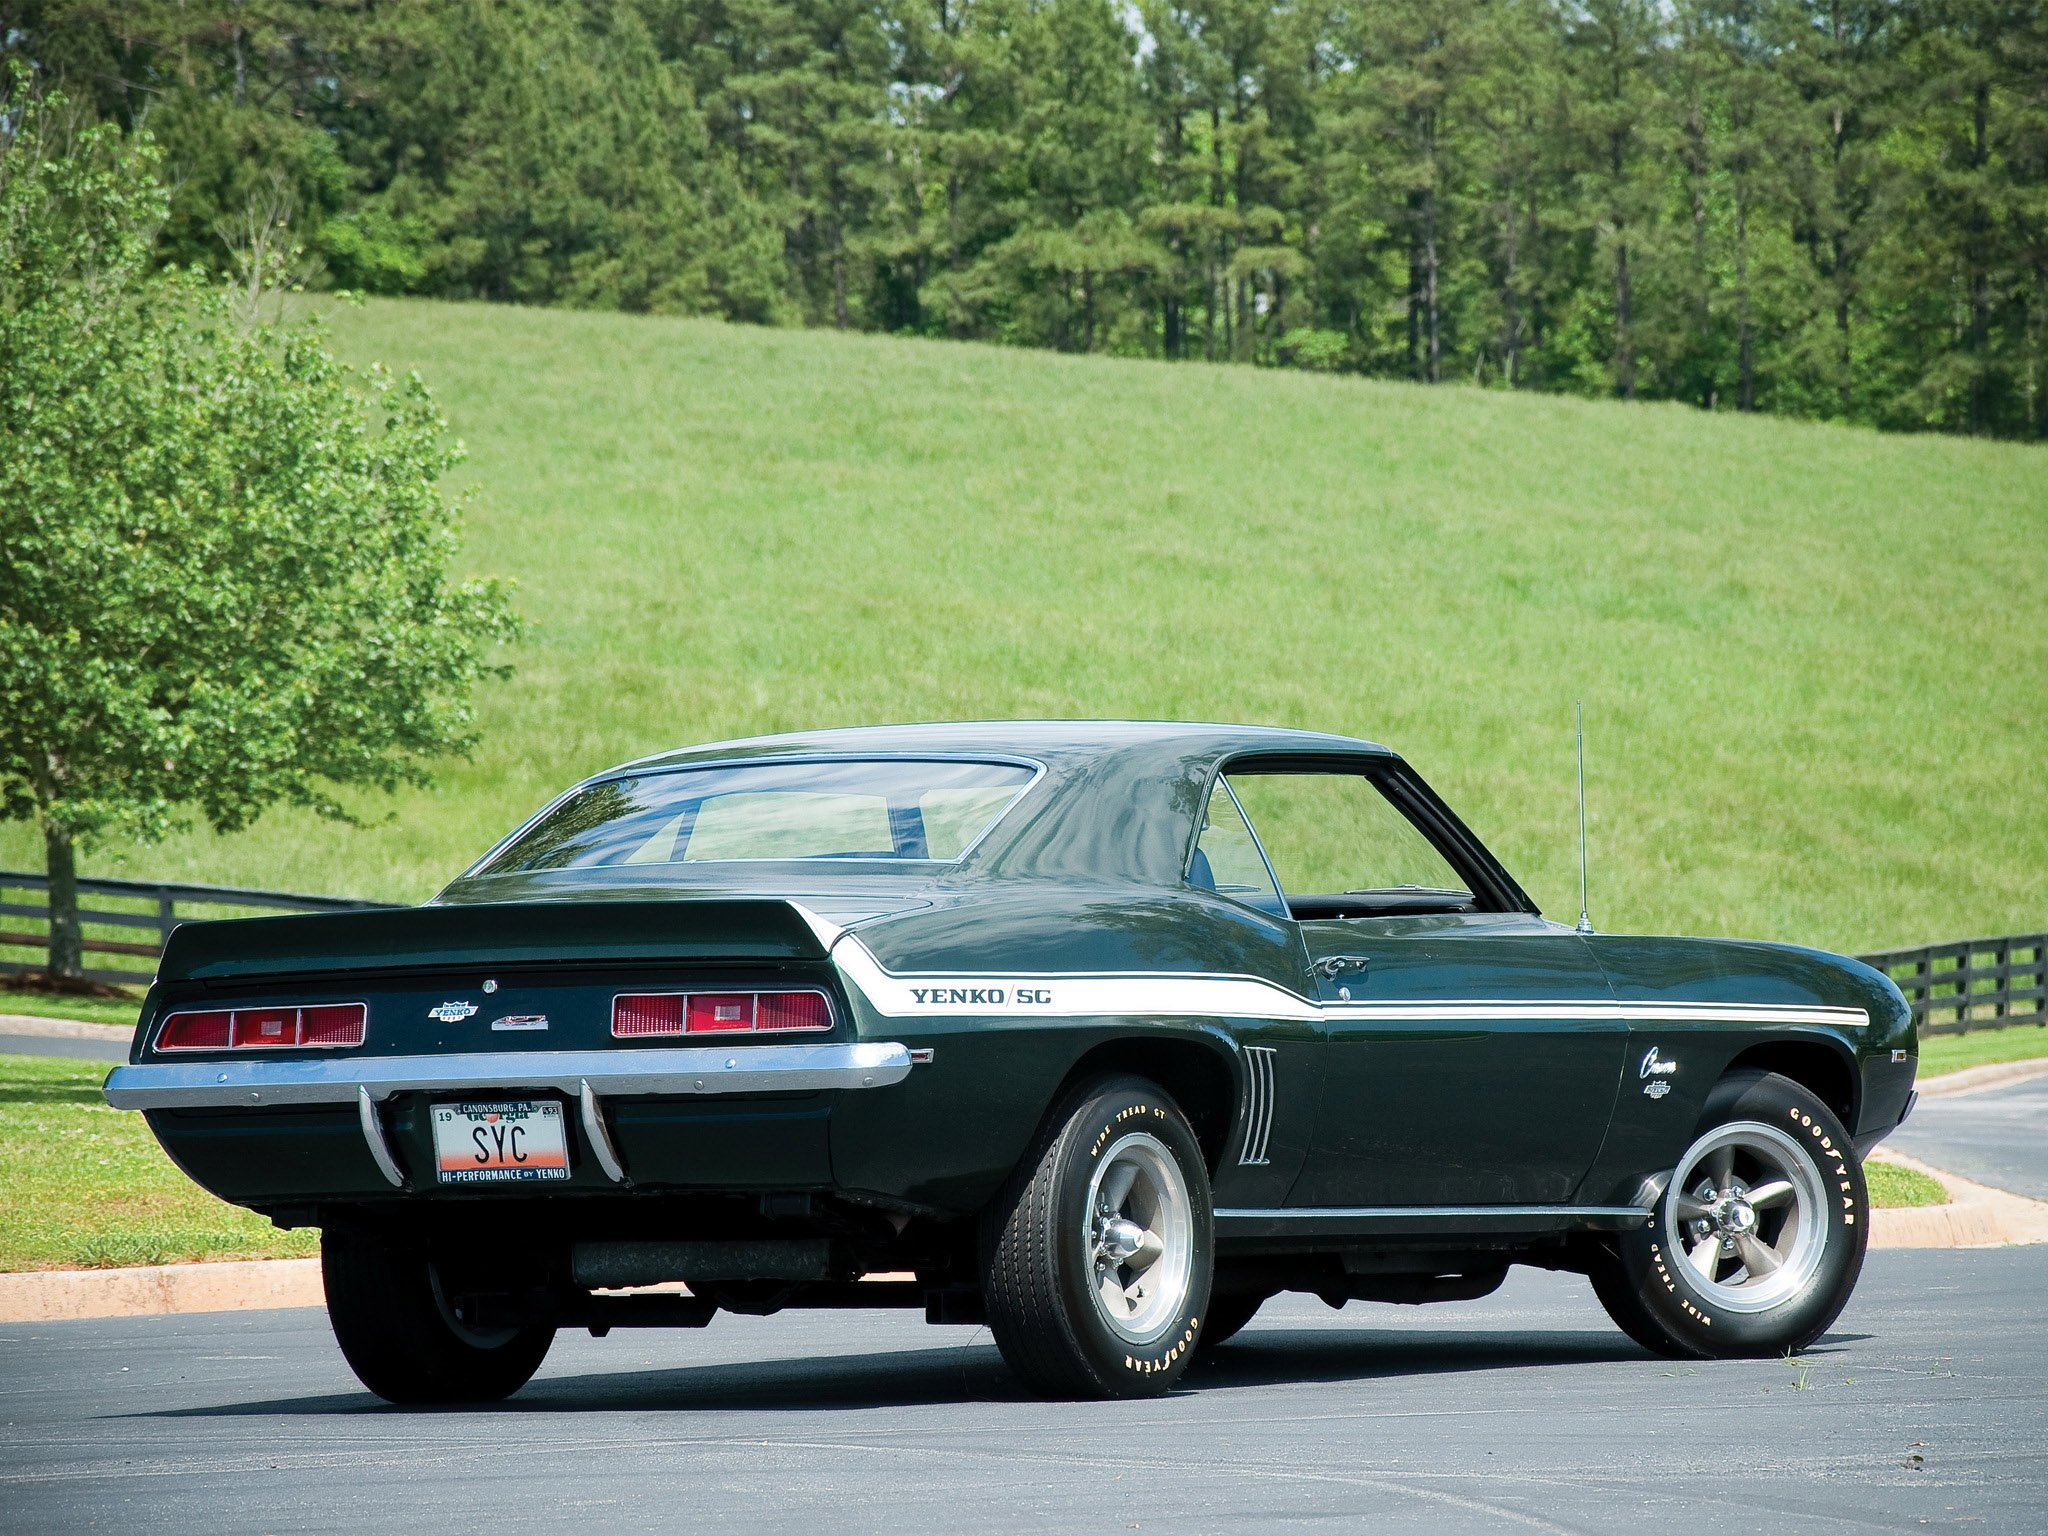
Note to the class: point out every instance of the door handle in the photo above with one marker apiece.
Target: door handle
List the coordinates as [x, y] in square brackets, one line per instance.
[1333, 966]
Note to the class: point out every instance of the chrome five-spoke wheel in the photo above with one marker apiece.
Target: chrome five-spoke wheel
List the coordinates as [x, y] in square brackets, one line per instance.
[1746, 1210]
[1140, 1237]
[1098, 1256]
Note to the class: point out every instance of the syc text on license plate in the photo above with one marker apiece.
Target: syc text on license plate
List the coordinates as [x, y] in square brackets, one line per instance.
[516, 1142]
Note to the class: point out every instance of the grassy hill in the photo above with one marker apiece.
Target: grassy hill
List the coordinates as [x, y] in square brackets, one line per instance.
[1814, 660]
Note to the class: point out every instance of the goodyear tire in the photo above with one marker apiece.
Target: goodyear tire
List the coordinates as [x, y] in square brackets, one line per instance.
[403, 1340]
[1760, 1234]
[1096, 1258]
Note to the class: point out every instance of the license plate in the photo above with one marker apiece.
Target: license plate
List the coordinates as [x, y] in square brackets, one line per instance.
[518, 1142]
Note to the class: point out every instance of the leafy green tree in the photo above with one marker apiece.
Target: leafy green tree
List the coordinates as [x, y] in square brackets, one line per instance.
[1511, 99]
[1614, 64]
[1830, 208]
[1840, 57]
[222, 586]
[1975, 183]
[1416, 60]
[1061, 249]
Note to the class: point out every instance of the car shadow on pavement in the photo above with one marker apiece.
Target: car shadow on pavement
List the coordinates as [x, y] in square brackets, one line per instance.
[973, 1372]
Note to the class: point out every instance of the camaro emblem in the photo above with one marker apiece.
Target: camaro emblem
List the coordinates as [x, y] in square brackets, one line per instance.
[521, 1021]
[452, 1012]
[1656, 1071]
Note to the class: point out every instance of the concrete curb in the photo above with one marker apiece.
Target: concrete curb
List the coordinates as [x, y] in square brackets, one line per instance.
[58, 1295]
[1977, 1216]
[1977, 1079]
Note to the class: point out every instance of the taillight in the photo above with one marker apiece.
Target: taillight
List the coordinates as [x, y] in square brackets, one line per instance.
[327, 1026]
[709, 1013]
[195, 1032]
[648, 1015]
[792, 1010]
[334, 1024]
[717, 1013]
[266, 1026]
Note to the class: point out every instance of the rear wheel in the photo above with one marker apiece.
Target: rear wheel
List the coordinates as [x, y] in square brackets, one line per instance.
[1759, 1237]
[1097, 1257]
[402, 1337]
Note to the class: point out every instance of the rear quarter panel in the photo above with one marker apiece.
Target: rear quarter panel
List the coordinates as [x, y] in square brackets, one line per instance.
[949, 1136]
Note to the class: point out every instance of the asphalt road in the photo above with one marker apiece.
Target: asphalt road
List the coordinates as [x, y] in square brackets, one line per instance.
[1998, 1136]
[1928, 1405]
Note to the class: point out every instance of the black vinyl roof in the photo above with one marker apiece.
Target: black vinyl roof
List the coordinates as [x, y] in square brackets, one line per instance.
[1117, 803]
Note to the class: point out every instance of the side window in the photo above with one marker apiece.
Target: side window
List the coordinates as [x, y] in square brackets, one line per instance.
[1227, 857]
[1336, 835]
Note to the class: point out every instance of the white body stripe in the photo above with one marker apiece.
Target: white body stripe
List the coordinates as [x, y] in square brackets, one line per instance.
[1181, 994]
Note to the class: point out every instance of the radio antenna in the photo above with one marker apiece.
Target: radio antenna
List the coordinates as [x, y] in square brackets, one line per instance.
[1579, 728]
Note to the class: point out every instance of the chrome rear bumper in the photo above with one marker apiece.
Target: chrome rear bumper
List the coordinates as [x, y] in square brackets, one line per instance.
[346, 1080]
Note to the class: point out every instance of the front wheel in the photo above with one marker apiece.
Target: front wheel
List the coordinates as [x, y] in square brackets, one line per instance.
[1759, 1237]
[1097, 1257]
[402, 1337]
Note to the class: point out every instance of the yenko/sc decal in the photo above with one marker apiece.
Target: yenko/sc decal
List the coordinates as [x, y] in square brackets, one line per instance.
[993, 997]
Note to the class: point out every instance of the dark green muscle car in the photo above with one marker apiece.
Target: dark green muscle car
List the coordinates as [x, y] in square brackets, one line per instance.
[1098, 1033]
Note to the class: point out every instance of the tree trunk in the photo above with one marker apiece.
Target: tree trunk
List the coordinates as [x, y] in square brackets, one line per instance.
[1845, 385]
[1624, 344]
[1511, 330]
[67, 938]
[839, 315]
[1980, 275]
[1216, 157]
[1536, 316]
[1209, 281]
[1697, 168]
[2037, 396]
[1414, 291]
[1845, 388]
[1429, 286]
[1744, 350]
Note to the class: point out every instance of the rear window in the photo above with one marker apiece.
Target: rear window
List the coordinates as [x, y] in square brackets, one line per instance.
[859, 810]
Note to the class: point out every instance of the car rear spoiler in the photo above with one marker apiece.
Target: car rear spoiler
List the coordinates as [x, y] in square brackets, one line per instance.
[413, 938]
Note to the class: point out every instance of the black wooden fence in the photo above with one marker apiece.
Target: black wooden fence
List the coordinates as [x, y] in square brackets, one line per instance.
[117, 914]
[1974, 984]
[1954, 988]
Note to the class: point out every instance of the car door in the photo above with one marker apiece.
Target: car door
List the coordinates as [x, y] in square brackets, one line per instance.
[1471, 1055]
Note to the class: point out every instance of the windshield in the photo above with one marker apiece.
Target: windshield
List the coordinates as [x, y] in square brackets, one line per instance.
[852, 810]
